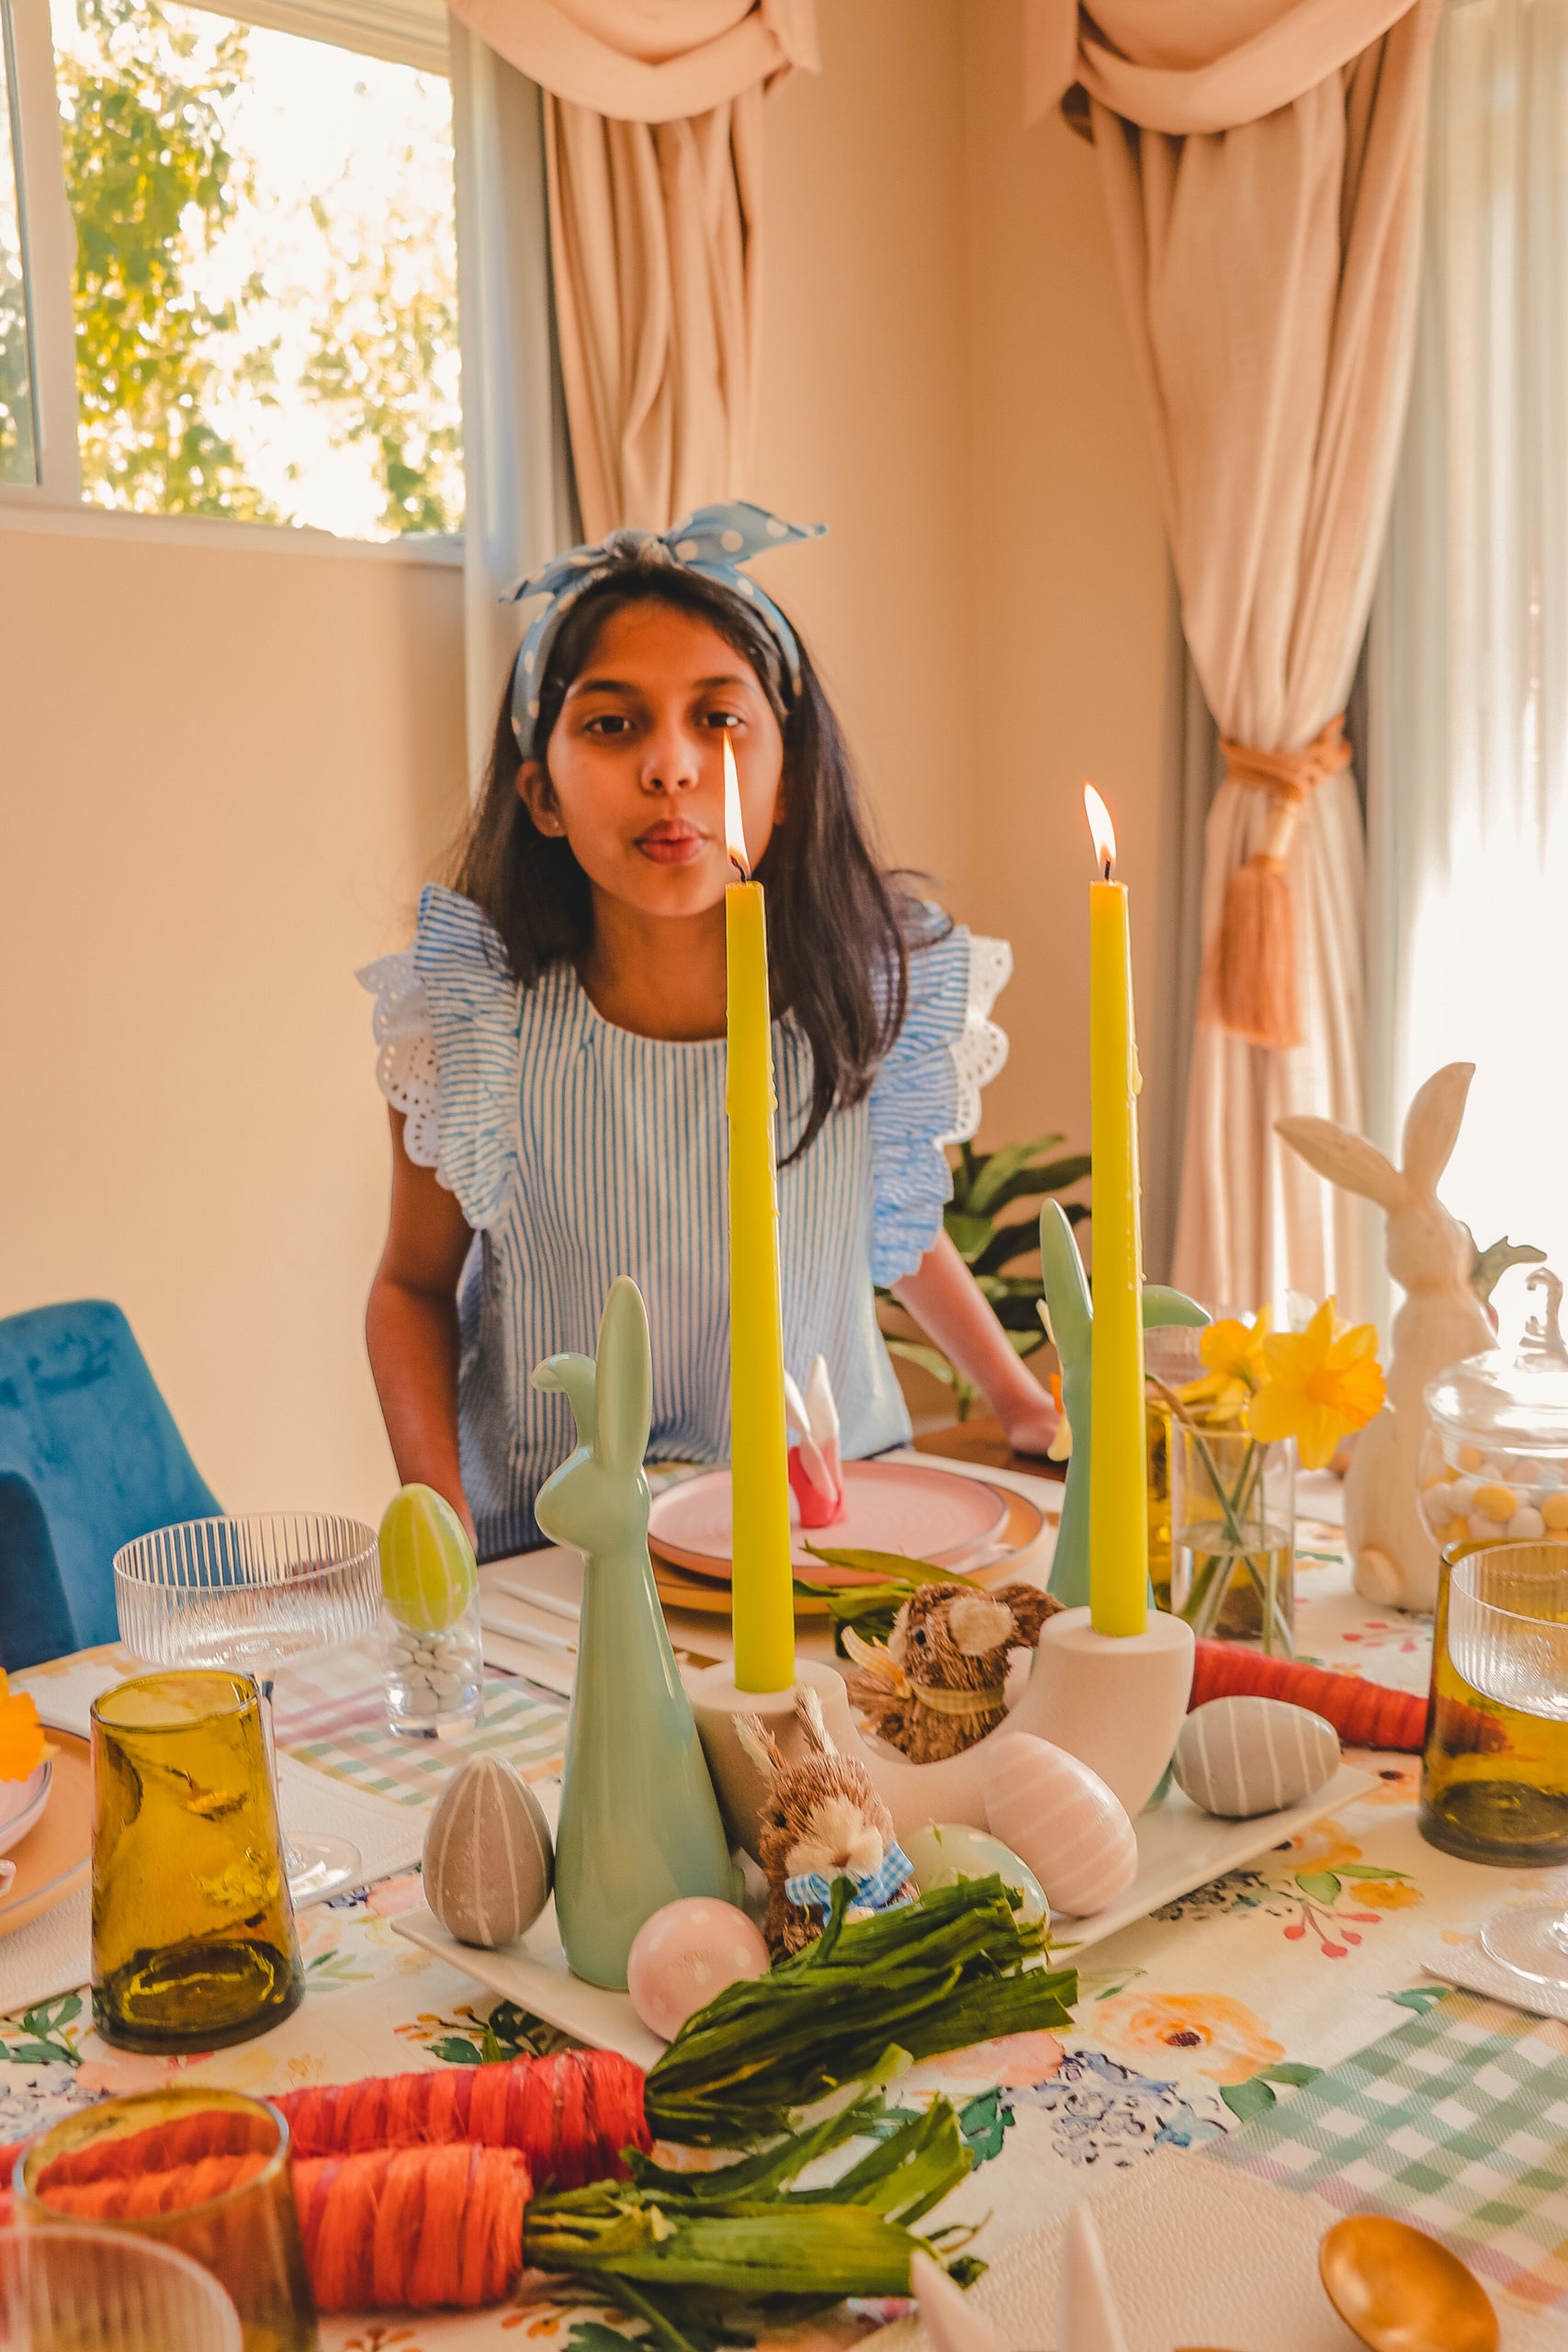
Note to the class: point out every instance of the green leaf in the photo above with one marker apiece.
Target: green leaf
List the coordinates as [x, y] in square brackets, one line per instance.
[966, 1233]
[1056, 1176]
[930, 1359]
[986, 1192]
[1419, 1998]
[1321, 1885]
[41, 2053]
[1368, 1869]
[1247, 2099]
[1289, 2072]
[983, 2122]
[455, 2051]
[1007, 1244]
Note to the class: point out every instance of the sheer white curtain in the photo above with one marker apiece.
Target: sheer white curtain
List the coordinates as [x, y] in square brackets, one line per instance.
[1469, 779]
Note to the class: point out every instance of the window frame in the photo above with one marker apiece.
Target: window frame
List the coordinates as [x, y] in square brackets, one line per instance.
[54, 502]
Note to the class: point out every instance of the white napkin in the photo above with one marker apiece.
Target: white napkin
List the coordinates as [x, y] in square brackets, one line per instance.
[1198, 2253]
[1466, 1964]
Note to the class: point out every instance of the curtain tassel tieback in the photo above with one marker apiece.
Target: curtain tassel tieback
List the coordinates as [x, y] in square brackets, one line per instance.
[1250, 985]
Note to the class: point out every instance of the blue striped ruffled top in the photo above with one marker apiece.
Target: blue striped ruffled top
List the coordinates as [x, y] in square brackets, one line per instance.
[579, 1151]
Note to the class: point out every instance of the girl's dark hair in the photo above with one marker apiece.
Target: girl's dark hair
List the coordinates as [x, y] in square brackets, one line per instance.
[838, 925]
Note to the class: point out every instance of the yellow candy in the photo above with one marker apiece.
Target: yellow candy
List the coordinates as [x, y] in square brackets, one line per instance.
[1497, 1502]
[1554, 1510]
[1470, 1458]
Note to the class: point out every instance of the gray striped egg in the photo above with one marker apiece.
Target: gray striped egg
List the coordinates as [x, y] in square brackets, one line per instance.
[1239, 1757]
[489, 1861]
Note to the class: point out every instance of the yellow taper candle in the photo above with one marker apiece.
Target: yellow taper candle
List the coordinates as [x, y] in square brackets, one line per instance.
[1118, 1503]
[762, 1601]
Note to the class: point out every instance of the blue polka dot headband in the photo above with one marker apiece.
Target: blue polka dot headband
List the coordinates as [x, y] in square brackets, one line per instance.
[714, 542]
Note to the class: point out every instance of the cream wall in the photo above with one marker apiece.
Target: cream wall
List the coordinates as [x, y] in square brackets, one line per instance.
[223, 773]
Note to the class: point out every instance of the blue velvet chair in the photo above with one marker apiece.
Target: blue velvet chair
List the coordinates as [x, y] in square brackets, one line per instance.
[89, 1458]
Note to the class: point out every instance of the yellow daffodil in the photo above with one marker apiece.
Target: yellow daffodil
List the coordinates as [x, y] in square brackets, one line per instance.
[21, 1733]
[1318, 1385]
[1233, 1357]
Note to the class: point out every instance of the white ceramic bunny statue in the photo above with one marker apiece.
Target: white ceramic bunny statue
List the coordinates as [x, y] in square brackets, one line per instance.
[1430, 1255]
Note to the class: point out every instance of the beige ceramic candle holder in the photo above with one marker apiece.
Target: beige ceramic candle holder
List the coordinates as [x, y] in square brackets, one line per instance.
[1114, 1702]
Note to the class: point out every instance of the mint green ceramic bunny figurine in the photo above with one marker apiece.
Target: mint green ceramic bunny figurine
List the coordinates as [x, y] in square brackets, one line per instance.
[639, 1823]
[1072, 1329]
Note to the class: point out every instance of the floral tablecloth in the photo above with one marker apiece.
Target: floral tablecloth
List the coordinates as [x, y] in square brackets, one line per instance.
[1224, 2024]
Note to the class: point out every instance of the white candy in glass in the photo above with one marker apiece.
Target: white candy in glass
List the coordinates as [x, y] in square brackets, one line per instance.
[1060, 1819]
[685, 1956]
[489, 1860]
[1239, 1757]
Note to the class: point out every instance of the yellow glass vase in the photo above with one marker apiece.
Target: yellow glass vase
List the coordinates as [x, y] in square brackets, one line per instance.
[1494, 1778]
[192, 1932]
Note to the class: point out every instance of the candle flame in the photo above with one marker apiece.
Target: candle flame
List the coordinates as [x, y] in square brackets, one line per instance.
[1102, 828]
[734, 827]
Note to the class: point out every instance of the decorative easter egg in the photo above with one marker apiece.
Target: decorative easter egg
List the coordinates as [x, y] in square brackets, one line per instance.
[489, 1861]
[1239, 1757]
[685, 1956]
[1060, 1819]
[427, 1562]
[950, 1850]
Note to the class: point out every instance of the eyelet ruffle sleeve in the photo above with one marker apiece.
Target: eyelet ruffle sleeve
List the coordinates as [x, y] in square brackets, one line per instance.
[448, 1018]
[927, 1092]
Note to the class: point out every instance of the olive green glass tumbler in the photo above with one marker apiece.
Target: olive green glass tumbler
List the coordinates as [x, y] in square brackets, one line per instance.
[1507, 1635]
[192, 1931]
[101, 2291]
[1493, 1777]
[246, 2235]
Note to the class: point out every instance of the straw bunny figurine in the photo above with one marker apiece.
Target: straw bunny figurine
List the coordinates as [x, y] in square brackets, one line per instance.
[821, 1819]
[639, 1823]
[1430, 1255]
[938, 1684]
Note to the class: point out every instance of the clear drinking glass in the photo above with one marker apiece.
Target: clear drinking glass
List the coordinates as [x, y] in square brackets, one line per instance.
[73, 2289]
[1233, 1545]
[247, 2236]
[250, 1594]
[1508, 1638]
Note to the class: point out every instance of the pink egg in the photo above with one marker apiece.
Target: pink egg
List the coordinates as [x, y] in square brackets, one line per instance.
[685, 1955]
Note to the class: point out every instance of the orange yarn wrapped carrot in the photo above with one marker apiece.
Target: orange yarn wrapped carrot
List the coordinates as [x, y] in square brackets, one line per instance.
[569, 2115]
[165, 2147]
[416, 2228]
[413, 2228]
[1365, 1714]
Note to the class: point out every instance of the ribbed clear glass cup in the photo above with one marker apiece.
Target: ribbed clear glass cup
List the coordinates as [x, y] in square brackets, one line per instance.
[250, 1594]
[1508, 1637]
[70, 2289]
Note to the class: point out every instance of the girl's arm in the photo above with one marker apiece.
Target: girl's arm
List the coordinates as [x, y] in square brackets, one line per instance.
[949, 1305]
[410, 1327]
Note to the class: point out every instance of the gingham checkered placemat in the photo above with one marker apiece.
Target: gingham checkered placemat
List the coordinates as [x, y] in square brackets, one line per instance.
[330, 1717]
[1456, 2121]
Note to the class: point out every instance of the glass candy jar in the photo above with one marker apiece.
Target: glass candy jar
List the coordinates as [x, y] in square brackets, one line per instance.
[433, 1646]
[1494, 1468]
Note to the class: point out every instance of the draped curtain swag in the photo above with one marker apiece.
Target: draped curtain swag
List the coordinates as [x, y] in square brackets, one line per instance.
[653, 150]
[1261, 161]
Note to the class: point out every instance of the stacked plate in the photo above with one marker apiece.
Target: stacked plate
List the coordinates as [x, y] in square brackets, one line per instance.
[927, 1515]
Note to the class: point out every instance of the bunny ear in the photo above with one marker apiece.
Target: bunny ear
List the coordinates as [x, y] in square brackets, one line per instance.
[574, 1375]
[759, 1743]
[808, 1711]
[1347, 1160]
[1432, 1124]
[1066, 1292]
[626, 1379]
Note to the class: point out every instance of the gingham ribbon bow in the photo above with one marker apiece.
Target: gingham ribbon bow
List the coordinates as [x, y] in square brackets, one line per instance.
[878, 1891]
[715, 541]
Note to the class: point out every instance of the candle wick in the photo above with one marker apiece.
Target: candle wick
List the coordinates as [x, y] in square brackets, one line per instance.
[741, 868]
[1105, 871]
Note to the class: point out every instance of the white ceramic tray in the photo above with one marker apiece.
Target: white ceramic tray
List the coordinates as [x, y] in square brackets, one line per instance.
[1179, 1847]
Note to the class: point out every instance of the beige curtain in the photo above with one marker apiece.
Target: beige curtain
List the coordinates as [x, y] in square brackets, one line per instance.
[1261, 163]
[653, 148]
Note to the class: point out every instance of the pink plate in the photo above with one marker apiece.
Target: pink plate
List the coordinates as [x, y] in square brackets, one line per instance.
[891, 1507]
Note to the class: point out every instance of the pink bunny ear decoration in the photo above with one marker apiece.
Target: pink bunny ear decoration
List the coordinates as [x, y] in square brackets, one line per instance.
[814, 1468]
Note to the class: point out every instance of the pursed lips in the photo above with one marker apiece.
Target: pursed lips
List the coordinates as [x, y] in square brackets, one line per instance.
[669, 844]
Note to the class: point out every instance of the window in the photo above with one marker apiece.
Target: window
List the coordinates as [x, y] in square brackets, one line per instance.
[18, 403]
[263, 296]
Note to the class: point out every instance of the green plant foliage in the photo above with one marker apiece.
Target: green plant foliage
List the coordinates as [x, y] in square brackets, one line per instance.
[984, 1184]
[151, 181]
[390, 326]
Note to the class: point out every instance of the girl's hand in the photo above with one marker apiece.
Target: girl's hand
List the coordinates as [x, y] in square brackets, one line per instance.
[1031, 1426]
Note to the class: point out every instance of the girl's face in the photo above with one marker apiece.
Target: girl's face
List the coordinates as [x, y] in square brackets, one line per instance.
[633, 774]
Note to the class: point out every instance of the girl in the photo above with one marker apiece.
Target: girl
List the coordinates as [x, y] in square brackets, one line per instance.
[552, 1048]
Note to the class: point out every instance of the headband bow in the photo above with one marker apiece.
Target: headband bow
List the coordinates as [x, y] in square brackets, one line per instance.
[714, 542]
